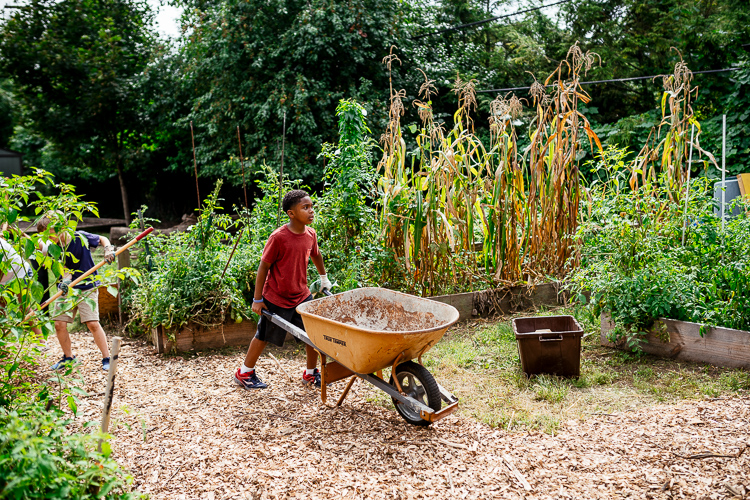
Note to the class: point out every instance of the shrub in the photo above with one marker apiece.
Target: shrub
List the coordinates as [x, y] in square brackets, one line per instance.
[40, 459]
[190, 279]
[636, 267]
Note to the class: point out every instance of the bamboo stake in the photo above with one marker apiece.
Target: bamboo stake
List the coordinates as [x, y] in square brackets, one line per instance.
[280, 367]
[281, 170]
[687, 189]
[91, 271]
[195, 165]
[242, 165]
[109, 392]
[723, 168]
[239, 236]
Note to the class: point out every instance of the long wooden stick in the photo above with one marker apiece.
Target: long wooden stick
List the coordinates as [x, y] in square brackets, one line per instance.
[110, 391]
[242, 165]
[91, 271]
[239, 236]
[281, 170]
[687, 189]
[195, 165]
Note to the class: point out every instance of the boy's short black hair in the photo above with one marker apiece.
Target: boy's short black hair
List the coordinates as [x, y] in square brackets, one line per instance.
[292, 198]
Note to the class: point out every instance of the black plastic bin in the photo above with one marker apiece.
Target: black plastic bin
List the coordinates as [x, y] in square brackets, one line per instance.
[549, 344]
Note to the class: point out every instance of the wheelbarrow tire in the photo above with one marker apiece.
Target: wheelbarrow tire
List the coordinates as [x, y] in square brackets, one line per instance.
[418, 383]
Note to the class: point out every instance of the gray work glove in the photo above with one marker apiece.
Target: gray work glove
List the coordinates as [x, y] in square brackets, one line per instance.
[64, 287]
[109, 254]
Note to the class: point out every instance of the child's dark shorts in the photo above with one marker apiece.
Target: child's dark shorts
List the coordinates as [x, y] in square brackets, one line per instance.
[269, 332]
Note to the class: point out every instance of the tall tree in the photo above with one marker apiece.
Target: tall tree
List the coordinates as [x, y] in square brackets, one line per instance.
[77, 66]
[247, 62]
[636, 37]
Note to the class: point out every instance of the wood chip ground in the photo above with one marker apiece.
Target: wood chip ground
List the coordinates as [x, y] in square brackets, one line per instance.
[186, 432]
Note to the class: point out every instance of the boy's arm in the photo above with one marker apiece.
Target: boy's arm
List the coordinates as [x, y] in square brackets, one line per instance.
[325, 283]
[260, 280]
[109, 249]
[318, 261]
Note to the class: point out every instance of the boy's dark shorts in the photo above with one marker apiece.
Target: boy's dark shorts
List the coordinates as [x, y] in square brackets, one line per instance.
[269, 332]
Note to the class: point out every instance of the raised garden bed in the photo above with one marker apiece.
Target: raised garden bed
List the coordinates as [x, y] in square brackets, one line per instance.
[504, 301]
[718, 346]
[196, 337]
[108, 304]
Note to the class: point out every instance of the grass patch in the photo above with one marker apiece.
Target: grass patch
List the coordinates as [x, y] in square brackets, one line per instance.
[479, 362]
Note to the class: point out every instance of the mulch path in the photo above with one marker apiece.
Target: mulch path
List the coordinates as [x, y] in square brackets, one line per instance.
[184, 431]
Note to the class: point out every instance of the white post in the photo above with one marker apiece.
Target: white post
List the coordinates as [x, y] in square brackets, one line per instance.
[687, 191]
[723, 168]
[109, 392]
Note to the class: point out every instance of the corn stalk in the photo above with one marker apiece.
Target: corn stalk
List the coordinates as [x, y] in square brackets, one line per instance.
[463, 215]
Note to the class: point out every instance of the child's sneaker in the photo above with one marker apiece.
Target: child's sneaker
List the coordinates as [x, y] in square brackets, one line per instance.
[105, 364]
[311, 379]
[63, 363]
[248, 380]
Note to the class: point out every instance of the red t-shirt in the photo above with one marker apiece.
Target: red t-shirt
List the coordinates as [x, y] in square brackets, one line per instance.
[288, 254]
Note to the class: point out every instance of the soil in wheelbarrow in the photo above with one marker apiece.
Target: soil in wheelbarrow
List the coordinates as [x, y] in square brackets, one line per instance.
[373, 313]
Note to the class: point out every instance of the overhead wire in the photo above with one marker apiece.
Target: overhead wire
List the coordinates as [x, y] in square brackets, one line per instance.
[489, 20]
[630, 79]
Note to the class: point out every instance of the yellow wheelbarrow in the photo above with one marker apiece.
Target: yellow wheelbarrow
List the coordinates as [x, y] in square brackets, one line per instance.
[366, 330]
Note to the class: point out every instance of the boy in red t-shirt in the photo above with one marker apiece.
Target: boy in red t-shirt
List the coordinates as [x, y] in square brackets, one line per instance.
[281, 285]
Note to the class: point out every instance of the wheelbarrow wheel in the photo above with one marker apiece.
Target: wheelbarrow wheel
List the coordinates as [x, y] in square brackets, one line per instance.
[418, 383]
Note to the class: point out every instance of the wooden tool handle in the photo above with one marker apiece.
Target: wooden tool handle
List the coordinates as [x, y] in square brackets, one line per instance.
[91, 271]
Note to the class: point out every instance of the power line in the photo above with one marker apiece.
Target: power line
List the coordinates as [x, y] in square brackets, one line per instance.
[592, 82]
[483, 21]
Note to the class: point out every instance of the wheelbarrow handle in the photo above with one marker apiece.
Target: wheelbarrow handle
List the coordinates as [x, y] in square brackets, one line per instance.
[270, 315]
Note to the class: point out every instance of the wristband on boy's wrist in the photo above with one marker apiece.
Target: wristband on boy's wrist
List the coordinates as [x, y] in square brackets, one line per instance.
[258, 301]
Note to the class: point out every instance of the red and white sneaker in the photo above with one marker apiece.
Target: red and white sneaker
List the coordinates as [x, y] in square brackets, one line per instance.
[311, 379]
[248, 380]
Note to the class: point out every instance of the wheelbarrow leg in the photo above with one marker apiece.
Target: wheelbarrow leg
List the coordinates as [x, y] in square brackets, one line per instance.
[323, 378]
[330, 373]
[346, 391]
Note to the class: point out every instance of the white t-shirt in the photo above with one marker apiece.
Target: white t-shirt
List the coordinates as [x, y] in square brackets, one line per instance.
[18, 267]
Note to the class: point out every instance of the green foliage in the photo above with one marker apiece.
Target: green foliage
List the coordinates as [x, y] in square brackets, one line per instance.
[40, 459]
[736, 105]
[189, 282]
[248, 62]
[345, 221]
[7, 112]
[636, 268]
[77, 66]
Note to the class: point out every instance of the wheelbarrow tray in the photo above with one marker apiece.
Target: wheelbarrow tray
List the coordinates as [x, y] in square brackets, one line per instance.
[367, 329]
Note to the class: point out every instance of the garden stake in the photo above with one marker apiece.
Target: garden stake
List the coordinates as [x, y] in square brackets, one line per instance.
[281, 170]
[145, 243]
[242, 165]
[687, 189]
[109, 392]
[723, 168]
[280, 367]
[195, 165]
[239, 236]
[90, 271]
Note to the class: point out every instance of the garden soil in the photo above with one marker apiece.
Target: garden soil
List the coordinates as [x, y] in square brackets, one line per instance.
[186, 432]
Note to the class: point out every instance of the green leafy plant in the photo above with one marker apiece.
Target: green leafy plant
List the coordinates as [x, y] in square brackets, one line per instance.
[345, 221]
[635, 266]
[40, 459]
[193, 278]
